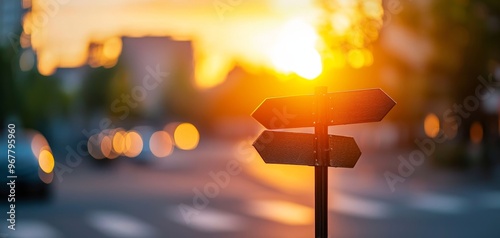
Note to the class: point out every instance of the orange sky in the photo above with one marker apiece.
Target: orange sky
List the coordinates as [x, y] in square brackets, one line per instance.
[279, 35]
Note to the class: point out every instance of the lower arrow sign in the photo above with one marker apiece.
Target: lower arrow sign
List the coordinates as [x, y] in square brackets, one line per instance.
[276, 147]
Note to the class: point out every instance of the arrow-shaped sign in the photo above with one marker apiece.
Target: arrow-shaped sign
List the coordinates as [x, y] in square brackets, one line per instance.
[343, 108]
[277, 147]
[319, 149]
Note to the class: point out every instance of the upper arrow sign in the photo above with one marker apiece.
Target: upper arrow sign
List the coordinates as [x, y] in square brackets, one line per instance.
[348, 107]
[276, 147]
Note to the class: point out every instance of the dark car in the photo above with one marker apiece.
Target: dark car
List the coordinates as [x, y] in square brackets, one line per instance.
[21, 174]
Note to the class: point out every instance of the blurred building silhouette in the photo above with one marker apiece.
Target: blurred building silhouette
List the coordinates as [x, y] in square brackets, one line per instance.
[10, 22]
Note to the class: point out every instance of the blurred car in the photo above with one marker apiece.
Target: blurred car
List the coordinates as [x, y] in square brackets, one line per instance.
[31, 181]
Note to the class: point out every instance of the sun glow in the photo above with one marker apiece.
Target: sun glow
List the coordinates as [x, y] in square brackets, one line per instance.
[295, 52]
[300, 37]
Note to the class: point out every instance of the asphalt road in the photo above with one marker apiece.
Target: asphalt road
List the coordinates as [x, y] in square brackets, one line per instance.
[189, 195]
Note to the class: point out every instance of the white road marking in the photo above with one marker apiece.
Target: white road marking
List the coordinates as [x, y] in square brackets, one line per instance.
[206, 220]
[282, 211]
[119, 225]
[359, 207]
[33, 229]
[490, 200]
[438, 203]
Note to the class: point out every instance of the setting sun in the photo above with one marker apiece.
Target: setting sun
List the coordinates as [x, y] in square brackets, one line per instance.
[304, 38]
[295, 51]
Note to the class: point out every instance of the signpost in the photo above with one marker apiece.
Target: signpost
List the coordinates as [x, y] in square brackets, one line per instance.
[319, 149]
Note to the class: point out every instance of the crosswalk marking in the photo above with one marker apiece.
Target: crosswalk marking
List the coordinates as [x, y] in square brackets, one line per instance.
[281, 211]
[115, 224]
[438, 203]
[357, 206]
[34, 229]
[208, 220]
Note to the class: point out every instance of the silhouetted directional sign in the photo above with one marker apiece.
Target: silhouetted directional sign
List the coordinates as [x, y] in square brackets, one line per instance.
[277, 147]
[319, 149]
[348, 107]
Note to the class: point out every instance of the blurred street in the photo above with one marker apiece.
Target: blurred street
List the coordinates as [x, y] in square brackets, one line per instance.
[168, 118]
[142, 200]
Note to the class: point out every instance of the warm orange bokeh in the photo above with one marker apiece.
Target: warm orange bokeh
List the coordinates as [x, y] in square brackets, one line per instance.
[283, 37]
[431, 125]
[46, 161]
[186, 136]
[476, 132]
[133, 144]
[161, 144]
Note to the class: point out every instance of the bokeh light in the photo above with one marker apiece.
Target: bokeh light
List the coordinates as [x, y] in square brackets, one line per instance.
[170, 127]
[372, 8]
[161, 144]
[431, 125]
[107, 147]
[367, 57]
[46, 177]
[38, 144]
[336, 59]
[94, 147]
[119, 141]
[340, 23]
[27, 60]
[46, 161]
[348, 29]
[133, 144]
[186, 136]
[476, 132]
[356, 58]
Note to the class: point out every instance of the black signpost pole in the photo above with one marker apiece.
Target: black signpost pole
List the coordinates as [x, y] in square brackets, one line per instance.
[350, 107]
[321, 167]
